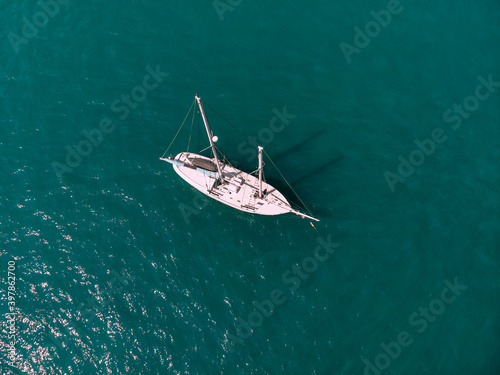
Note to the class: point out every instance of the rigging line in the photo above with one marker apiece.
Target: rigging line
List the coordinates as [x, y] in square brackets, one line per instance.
[199, 131]
[222, 117]
[176, 134]
[321, 235]
[318, 232]
[263, 173]
[191, 131]
[206, 148]
[217, 149]
[225, 161]
[290, 186]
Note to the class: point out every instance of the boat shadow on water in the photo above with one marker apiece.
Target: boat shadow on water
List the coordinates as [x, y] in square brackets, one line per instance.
[220, 178]
[273, 178]
[290, 194]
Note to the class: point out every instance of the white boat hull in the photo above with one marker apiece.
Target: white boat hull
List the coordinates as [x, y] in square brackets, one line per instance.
[238, 189]
[227, 184]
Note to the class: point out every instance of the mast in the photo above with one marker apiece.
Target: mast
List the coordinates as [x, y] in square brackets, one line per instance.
[260, 171]
[209, 133]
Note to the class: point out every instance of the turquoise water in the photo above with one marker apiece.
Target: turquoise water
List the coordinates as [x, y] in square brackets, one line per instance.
[118, 269]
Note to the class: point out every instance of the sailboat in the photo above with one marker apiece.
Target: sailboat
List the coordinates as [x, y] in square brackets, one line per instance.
[219, 180]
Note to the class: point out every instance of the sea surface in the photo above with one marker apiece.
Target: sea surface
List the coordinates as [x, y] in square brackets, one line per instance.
[383, 117]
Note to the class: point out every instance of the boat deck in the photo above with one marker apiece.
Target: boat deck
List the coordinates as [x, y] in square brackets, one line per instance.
[238, 189]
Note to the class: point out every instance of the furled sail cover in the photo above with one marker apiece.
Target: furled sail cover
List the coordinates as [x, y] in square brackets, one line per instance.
[204, 164]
